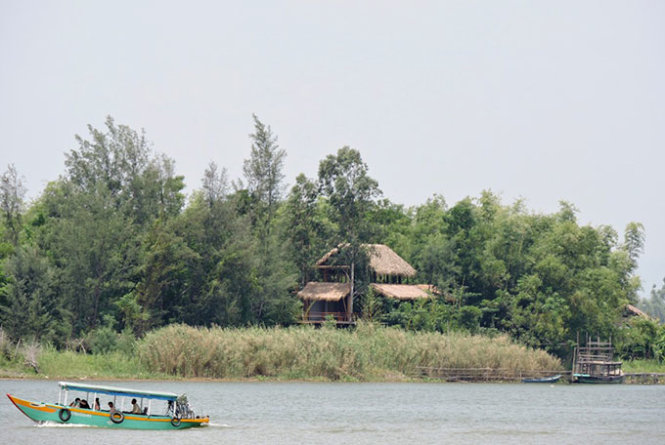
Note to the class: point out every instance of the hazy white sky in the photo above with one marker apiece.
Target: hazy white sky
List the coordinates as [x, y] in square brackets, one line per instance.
[544, 101]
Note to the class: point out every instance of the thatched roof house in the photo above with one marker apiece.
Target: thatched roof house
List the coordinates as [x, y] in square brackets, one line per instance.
[382, 260]
[632, 311]
[323, 299]
[334, 298]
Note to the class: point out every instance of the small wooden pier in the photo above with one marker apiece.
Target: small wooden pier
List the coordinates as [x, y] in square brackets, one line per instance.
[594, 363]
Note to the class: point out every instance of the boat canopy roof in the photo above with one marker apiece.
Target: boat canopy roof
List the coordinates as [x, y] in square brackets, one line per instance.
[115, 391]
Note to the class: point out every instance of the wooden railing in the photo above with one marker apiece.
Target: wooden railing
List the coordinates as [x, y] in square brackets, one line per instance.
[483, 374]
[315, 317]
[646, 377]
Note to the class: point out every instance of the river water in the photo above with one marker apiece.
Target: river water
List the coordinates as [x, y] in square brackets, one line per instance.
[373, 413]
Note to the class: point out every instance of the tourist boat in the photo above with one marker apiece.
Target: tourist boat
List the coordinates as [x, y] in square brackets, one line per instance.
[549, 379]
[174, 413]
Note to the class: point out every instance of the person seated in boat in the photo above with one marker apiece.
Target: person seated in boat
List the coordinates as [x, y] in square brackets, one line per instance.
[136, 409]
[170, 409]
[76, 403]
[97, 405]
[112, 409]
[84, 404]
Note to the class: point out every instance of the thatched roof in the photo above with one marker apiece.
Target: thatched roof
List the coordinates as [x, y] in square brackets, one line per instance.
[403, 291]
[634, 311]
[324, 291]
[382, 259]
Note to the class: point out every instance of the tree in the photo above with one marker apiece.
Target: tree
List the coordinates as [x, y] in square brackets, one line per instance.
[634, 241]
[96, 253]
[99, 213]
[118, 165]
[164, 274]
[263, 171]
[30, 308]
[303, 226]
[215, 184]
[655, 305]
[12, 193]
[217, 278]
[351, 192]
[270, 300]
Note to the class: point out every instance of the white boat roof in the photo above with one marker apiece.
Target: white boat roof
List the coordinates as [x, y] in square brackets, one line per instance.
[116, 391]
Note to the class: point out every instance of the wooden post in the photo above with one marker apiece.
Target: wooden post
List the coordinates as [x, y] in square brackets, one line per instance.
[350, 308]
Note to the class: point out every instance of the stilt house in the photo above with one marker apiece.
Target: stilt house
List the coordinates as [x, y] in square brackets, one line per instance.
[333, 296]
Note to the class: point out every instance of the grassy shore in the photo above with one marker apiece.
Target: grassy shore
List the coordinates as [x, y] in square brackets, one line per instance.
[643, 366]
[366, 353]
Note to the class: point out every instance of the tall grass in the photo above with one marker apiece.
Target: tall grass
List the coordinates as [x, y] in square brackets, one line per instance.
[32, 359]
[368, 352]
[70, 364]
[643, 366]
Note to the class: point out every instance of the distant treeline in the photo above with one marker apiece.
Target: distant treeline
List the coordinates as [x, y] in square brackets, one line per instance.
[114, 244]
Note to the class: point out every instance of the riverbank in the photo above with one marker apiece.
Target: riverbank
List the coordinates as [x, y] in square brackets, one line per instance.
[366, 353]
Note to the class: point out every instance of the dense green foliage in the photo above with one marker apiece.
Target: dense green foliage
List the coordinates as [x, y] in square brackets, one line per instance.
[114, 245]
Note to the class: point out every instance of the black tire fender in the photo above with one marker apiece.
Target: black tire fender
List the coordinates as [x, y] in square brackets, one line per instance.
[117, 417]
[64, 414]
[175, 421]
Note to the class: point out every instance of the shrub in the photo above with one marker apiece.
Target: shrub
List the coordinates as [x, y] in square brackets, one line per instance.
[468, 318]
[639, 339]
[103, 339]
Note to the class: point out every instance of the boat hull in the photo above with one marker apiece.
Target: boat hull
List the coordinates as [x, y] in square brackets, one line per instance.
[52, 412]
[600, 380]
[551, 379]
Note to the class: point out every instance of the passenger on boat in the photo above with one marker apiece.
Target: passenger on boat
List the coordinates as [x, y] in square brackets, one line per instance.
[112, 408]
[97, 407]
[84, 404]
[136, 409]
[76, 403]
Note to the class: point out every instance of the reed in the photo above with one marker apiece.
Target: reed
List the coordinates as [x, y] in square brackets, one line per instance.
[368, 352]
[70, 364]
[637, 366]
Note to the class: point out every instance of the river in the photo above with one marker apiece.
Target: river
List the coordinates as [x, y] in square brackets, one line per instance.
[373, 413]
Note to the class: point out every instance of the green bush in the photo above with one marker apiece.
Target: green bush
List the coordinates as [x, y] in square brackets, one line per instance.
[468, 318]
[103, 339]
[640, 338]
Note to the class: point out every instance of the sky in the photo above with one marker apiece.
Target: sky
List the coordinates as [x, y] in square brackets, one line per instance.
[540, 101]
